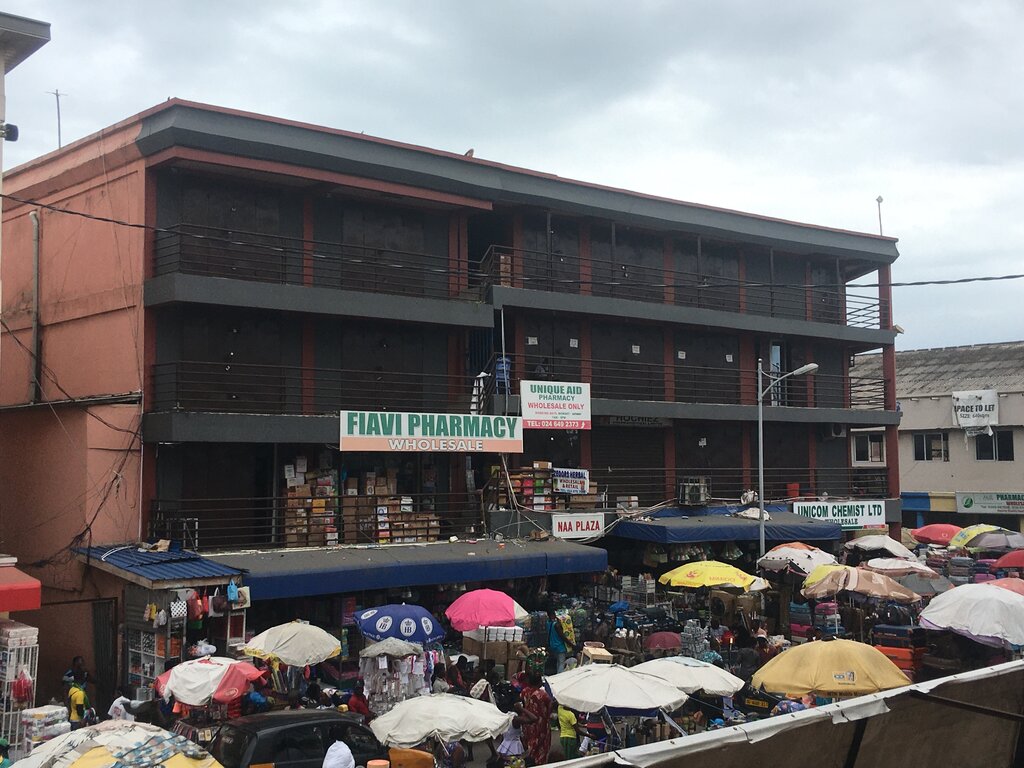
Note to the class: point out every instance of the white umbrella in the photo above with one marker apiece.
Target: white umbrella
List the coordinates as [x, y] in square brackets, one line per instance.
[393, 647]
[691, 675]
[800, 556]
[894, 567]
[594, 686]
[982, 612]
[880, 542]
[296, 644]
[116, 742]
[442, 716]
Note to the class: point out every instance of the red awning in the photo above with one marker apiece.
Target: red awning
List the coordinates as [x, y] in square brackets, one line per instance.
[18, 591]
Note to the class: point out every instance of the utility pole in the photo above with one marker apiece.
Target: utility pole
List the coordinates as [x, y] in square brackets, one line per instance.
[57, 94]
[877, 200]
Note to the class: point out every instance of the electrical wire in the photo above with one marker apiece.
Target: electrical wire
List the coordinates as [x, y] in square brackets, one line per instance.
[300, 250]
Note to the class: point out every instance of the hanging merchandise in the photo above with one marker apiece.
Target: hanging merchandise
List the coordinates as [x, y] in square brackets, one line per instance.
[179, 609]
[195, 607]
[243, 600]
[232, 592]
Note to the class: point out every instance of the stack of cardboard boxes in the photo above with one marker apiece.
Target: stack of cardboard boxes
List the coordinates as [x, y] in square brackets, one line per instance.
[589, 500]
[310, 515]
[373, 513]
[532, 487]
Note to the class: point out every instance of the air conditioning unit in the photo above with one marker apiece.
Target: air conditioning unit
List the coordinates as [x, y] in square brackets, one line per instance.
[694, 491]
[835, 431]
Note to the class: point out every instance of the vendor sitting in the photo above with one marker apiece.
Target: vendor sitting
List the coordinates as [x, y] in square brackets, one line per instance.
[357, 702]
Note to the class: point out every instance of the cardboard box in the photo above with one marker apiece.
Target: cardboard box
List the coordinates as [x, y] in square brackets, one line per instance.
[542, 465]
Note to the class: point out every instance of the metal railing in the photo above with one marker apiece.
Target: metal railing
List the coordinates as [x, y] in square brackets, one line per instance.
[726, 485]
[562, 273]
[242, 388]
[271, 258]
[277, 522]
[246, 388]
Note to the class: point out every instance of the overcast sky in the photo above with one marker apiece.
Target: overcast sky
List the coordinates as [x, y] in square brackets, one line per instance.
[803, 110]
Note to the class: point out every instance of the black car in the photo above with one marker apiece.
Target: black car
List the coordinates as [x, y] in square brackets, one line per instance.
[293, 739]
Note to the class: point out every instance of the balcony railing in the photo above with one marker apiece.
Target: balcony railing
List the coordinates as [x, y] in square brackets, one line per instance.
[243, 388]
[273, 259]
[277, 522]
[557, 272]
[239, 388]
[727, 485]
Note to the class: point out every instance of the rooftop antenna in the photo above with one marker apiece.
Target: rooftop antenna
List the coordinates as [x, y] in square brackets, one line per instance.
[57, 94]
[877, 200]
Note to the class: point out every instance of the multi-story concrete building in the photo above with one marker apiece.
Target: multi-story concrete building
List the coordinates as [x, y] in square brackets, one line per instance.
[946, 474]
[216, 286]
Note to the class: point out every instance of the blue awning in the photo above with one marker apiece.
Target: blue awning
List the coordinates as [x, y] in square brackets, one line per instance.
[157, 570]
[284, 574]
[675, 527]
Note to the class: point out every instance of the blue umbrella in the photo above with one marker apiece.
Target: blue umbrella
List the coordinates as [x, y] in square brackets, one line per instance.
[411, 623]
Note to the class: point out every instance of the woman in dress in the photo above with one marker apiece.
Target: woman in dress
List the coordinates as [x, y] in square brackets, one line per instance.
[536, 734]
[511, 749]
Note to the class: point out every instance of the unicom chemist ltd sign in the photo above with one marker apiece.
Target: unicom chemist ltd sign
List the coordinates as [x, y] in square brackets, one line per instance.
[851, 515]
[433, 432]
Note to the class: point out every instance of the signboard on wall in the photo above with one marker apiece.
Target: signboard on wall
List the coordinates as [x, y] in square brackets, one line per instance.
[571, 481]
[581, 526]
[634, 421]
[990, 503]
[384, 431]
[555, 404]
[976, 410]
[851, 515]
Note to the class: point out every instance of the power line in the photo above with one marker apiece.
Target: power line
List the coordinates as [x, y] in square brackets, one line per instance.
[626, 283]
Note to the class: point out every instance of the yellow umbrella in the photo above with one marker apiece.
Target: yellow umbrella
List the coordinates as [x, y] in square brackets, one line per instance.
[960, 540]
[821, 571]
[707, 573]
[120, 742]
[829, 668]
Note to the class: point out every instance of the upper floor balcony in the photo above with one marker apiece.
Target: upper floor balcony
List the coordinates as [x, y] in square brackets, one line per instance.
[212, 252]
[660, 283]
[297, 390]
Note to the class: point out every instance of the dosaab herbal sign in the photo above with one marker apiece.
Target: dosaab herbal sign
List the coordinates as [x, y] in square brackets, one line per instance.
[555, 404]
[571, 481]
[849, 514]
[578, 526]
[437, 432]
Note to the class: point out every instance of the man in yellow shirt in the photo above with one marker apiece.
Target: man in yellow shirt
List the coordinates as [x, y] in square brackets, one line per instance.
[78, 701]
[567, 727]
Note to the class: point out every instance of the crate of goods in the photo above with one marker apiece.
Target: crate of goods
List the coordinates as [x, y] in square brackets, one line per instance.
[14, 634]
[907, 659]
[899, 637]
[41, 724]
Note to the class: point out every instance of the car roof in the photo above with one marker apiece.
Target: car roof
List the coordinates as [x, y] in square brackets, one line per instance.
[265, 721]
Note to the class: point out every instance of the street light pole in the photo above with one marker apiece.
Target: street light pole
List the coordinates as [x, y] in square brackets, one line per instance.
[803, 370]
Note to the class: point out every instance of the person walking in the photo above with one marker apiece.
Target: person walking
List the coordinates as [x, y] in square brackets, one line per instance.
[537, 734]
[568, 732]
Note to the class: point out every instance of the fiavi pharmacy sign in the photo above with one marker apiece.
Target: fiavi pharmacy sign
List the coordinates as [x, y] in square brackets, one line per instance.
[555, 404]
[852, 515]
[433, 432]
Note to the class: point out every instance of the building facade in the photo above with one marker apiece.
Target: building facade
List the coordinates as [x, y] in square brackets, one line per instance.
[188, 376]
[949, 475]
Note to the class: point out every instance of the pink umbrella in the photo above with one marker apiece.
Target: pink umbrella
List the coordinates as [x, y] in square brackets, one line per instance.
[1010, 583]
[484, 608]
[663, 641]
[212, 678]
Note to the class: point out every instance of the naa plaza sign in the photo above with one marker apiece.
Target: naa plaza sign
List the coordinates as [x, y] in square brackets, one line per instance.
[851, 515]
[436, 432]
[555, 404]
[581, 526]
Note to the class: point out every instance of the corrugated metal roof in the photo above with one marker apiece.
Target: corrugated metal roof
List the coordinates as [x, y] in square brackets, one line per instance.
[939, 371]
[172, 566]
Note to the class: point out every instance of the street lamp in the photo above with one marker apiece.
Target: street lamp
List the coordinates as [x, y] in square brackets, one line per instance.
[803, 370]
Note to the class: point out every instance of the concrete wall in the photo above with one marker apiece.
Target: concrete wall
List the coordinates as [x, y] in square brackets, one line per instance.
[963, 472]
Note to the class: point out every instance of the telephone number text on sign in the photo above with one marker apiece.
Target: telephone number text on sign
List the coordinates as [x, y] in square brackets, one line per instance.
[555, 424]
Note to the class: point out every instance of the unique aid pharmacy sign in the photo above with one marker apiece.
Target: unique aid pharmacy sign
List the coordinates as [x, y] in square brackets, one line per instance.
[437, 432]
[571, 481]
[581, 526]
[555, 404]
[990, 503]
[851, 515]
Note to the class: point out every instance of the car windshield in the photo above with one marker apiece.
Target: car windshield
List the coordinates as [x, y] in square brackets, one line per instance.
[230, 746]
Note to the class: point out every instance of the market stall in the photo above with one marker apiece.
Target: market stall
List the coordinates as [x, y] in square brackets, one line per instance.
[392, 671]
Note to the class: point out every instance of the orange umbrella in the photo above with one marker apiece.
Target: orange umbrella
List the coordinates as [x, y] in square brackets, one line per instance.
[863, 582]
[1010, 583]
